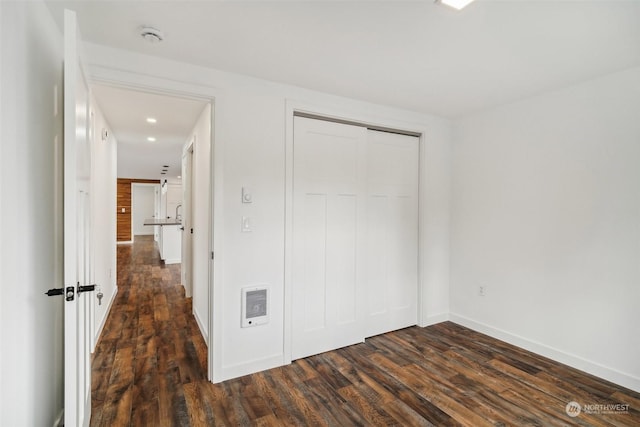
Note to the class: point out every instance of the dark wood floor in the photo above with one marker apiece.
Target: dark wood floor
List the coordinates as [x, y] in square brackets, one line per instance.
[149, 370]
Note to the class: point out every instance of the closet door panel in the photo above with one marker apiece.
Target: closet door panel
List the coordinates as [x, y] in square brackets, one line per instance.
[328, 233]
[392, 232]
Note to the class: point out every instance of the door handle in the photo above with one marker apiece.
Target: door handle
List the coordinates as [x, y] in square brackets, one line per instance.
[86, 288]
[54, 292]
[68, 292]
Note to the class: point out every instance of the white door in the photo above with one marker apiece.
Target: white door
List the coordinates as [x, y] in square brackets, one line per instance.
[328, 231]
[77, 259]
[142, 207]
[392, 232]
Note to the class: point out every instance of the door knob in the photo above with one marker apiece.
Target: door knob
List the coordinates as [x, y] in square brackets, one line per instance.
[70, 293]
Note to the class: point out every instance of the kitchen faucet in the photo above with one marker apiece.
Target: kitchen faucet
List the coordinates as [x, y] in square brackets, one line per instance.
[178, 207]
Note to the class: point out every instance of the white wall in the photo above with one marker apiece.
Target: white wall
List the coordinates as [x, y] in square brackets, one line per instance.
[31, 324]
[545, 214]
[143, 199]
[104, 194]
[249, 133]
[201, 203]
[435, 189]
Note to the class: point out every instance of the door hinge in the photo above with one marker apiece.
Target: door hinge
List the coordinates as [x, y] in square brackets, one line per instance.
[211, 254]
[192, 231]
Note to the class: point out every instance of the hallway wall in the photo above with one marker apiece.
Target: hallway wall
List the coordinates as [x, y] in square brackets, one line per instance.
[103, 183]
[201, 203]
[31, 324]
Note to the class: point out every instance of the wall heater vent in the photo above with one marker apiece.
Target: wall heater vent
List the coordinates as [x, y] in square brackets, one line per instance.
[255, 306]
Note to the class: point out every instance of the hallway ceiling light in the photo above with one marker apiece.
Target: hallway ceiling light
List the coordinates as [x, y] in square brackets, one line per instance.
[456, 4]
[152, 35]
[151, 139]
[151, 120]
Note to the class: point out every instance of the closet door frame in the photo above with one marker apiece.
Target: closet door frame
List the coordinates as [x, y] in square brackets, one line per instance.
[294, 108]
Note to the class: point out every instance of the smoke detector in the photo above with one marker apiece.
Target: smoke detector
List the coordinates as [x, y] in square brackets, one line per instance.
[152, 35]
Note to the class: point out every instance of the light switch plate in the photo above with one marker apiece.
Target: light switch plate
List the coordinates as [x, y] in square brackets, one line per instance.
[246, 195]
[246, 224]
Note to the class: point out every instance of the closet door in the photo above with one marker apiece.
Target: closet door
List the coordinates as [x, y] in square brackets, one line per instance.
[392, 232]
[329, 222]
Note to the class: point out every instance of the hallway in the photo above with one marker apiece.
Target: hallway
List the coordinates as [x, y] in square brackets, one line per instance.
[150, 347]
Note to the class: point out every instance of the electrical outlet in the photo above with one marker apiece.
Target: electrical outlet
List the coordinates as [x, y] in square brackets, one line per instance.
[482, 291]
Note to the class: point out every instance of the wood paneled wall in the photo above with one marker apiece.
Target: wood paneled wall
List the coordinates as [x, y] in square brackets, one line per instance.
[123, 206]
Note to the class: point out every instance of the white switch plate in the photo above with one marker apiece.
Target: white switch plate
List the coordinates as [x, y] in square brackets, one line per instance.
[246, 224]
[246, 195]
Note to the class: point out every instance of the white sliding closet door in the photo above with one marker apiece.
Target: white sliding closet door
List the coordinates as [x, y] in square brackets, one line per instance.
[328, 236]
[392, 232]
[355, 234]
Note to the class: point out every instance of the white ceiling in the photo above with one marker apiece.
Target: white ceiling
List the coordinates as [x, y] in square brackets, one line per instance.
[416, 55]
[126, 112]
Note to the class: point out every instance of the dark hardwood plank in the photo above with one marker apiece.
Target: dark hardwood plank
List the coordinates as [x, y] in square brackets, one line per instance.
[150, 369]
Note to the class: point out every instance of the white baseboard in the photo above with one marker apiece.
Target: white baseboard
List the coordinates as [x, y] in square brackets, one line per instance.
[125, 242]
[432, 320]
[250, 367]
[59, 421]
[104, 318]
[205, 335]
[574, 361]
[173, 261]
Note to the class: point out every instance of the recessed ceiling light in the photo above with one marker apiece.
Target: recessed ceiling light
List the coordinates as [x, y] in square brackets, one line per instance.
[165, 166]
[163, 173]
[151, 139]
[179, 177]
[151, 120]
[456, 4]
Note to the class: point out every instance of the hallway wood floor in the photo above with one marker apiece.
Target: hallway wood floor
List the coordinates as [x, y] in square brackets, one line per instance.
[150, 370]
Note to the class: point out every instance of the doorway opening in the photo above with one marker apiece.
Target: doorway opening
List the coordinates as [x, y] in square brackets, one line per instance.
[159, 312]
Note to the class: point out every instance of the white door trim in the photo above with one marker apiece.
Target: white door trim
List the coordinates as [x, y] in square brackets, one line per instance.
[333, 114]
[144, 82]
